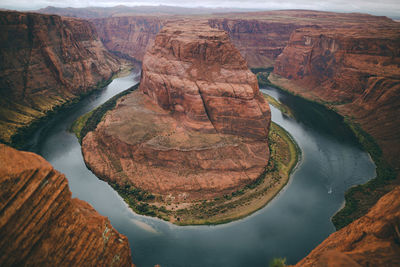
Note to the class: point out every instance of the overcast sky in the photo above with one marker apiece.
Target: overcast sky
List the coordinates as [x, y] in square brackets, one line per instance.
[378, 7]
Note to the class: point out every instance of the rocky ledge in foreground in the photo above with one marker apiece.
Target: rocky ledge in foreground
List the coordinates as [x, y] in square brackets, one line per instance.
[198, 126]
[372, 240]
[40, 225]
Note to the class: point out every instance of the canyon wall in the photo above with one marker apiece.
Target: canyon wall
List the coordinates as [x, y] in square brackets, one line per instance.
[128, 36]
[46, 62]
[260, 42]
[259, 36]
[197, 127]
[41, 225]
[356, 70]
[372, 240]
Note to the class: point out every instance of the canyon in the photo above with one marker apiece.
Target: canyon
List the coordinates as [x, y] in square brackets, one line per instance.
[259, 36]
[188, 107]
[48, 61]
[356, 71]
[41, 225]
[196, 128]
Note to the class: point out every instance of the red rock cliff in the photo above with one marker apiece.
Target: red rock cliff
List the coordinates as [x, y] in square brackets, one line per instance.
[197, 127]
[202, 77]
[259, 36]
[40, 225]
[128, 36]
[357, 70]
[262, 36]
[372, 240]
[46, 61]
[260, 42]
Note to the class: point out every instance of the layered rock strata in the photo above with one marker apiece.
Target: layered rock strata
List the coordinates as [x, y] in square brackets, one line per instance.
[196, 128]
[46, 61]
[259, 36]
[355, 70]
[372, 240]
[41, 225]
[128, 36]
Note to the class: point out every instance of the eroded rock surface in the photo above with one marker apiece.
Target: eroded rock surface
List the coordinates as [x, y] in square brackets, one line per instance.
[372, 240]
[128, 36]
[196, 128]
[40, 225]
[46, 61]
[356, 70]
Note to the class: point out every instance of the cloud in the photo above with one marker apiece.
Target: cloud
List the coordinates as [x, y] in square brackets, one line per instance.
[384, 7]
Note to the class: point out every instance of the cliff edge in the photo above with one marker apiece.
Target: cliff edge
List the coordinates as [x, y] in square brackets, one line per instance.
[41, 225]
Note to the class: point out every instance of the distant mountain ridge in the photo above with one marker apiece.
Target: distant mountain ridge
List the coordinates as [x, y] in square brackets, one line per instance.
[121, 10]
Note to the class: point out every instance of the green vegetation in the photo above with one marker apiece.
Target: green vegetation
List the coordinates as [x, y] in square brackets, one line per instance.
[258, 70]
[62, 104]
[88, 122]
[284, 156]
[139, 200]
[361, 198]
[277, 262]
[282, 107]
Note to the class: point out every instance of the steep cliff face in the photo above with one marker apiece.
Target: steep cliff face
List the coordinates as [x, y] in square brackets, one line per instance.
[128, 36]
[47, 61]
[262, 36]
[197, 127]
[260, 42]
[357, 70]
[41, 225]
[201, 77]
[372, 240]
[259, 36]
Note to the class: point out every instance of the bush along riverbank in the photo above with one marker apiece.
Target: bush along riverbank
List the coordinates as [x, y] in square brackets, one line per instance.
[358, 199]
[88, 122]
[285, 154]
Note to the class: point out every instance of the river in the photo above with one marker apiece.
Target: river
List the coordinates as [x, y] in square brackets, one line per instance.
[290, 226]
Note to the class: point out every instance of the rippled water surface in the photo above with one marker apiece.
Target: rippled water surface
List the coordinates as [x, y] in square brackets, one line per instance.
[289, 226]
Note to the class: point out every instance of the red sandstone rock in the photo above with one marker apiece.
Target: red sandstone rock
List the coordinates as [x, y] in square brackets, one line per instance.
[198, 74]
[128, 36]
[372, 240]
[259, 36]
[197, 127]
[46, 61]
[40, 225]
[356, 69]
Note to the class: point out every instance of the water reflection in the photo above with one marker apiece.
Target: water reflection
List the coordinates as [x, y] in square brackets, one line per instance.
[290, 226]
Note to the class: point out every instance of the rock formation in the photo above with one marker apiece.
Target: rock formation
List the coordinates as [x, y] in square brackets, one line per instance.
[356, 70]
[46, 61]
[196, 128]
[260, 42]
[40, 225]
[372, 240]
[128, 36]
[259, 36]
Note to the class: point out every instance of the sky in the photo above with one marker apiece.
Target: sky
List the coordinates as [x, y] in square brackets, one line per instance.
[377, 7]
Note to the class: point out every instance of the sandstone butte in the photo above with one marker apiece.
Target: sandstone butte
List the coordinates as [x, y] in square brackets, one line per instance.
[372, 240]
[196, 128]
[46, 62]
[41, 225]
